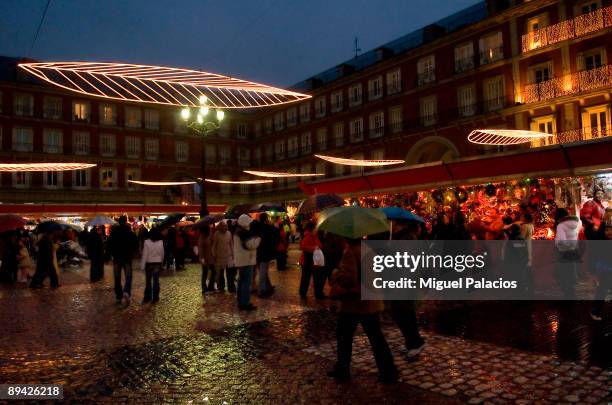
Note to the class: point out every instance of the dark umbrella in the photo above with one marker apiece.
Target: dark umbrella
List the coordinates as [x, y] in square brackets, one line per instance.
[50, 226]
[238, 210]
[268, 206]
[207, 221]
[10, 222]
[170, 220]
[319, 202]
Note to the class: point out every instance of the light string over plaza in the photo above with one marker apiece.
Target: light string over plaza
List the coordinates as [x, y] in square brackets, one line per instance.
[360, 162]
[44, 167]
[186, 183]
[159, 85]
[504, 137]
[280, 174]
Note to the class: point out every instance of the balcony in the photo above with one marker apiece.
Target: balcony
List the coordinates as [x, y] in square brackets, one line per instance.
[575, 135]
[574, 83]
[426, 77]
[575, 27]
[465, 64]
[491, 55]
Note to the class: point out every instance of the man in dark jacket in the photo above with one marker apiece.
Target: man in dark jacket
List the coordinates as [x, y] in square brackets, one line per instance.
[266, 252]
[122, 243]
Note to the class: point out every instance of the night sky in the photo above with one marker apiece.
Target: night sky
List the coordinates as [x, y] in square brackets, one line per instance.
[278, 42]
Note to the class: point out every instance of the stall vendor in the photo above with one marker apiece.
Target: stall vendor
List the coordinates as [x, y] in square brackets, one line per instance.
[592, 213]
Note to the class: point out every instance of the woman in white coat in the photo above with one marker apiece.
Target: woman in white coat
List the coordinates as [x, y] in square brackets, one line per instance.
[245, 257]
[151, 263]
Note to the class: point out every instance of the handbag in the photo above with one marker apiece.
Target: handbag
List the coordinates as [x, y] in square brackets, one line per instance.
[318, 259]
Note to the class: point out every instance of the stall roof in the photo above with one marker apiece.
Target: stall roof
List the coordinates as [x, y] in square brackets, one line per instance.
[95, 209]
[556, 160]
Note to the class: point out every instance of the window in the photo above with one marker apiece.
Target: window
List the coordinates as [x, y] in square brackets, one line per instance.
[426, 70]
[377, 124]
[428, 110]
[52, 107]
[464, 57]
[108, 178]
[292, 180]
[131, 175]
[320, 107]
[356, 130]
[108, 145]
[394, 81]
[269, 152]
[396, 118]
[268, 126]
[378, 154]
[224, 154]
[133, 117]
[52, 140]
[494, 93]
[244, 188]
[80, 179]
[375, 88]
[321, 138]
[292, 146]
[223, 129]
[357, 169]
[536, 36]
[355, 95]
[306, 168]
[23, 104]
[52, 179]
[80, 143]
[80, 111]
[338, 133]
[305, 112]
[180, 125]
[336, 100]
[132, 147]
[546, 125]
[108, 114]
[279, 149]
[151, 119]
[589, 7]
[279, 121]
[306, 143]
[540, 73]
[211, 153]
[151, 149]
[257, 129]
[241, 130]
[181, 151]
[291, 117]
[321, 167]
[244, 157]
[339, 170]
[595, 122]
[466, 100]
[22, 139]
[592, 59]
[491, 48]
[21, 179]
[257, 156]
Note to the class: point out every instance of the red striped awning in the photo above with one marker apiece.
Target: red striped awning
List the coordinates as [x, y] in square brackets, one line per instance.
[95, 209]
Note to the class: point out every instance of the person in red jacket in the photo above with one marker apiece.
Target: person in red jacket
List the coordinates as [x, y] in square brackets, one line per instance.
[309, 243]
[592, 213]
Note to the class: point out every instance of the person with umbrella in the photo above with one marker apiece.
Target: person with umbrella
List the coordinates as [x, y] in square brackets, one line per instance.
[266, 252]
[95, 251]
[354, 223]
[46, 264]
[122, 244]
[309, 244]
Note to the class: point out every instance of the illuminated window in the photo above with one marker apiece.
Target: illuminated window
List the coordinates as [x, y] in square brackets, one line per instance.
[322, 138]
[108, 114]
[52, 179]
[22, 139]
[377, 124]
[394, 81]
[464, 57]
[151, 119]
[541, 72]
[355, 95]
[426, 70]
[338, 133]
[107, 178]
[131, 174]
[133, 117]
[491, 48]
[545, 125]
[336, 100]
[52, 140]
[375, 87]
[292, 146]
[80, 111]
[466, 100]
[80, 179]
[596, 121]
[181, 151]
[429, 109]
[279, 121]
[306, 142]
[396, 118]
[21, 179]
[494, 93]
[80, 143]
[320, 109]
[291, 117]
[356, 130]
[151, 149]
[132, 147]
[107, 145]
[592, 59]
[23, 104]
[52, 107]
[305, 112]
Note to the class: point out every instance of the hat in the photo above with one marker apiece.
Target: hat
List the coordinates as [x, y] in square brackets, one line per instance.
[244, 221]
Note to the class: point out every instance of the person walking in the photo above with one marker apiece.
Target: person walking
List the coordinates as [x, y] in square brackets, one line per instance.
[354, 311]
[95, 251]
[568, 253]
[46, 264]
[206, 260]
[222, 254]
[122, 244]
[592, 213]
[266, 252]
[309, 243]
[24, 272]
[151, 262]
[282, 247]
[245, 246]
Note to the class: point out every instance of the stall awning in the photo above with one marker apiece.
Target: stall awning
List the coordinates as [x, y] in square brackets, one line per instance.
[95, 209]
[557, 160]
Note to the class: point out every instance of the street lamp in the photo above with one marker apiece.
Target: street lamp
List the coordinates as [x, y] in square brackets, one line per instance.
[203, 126]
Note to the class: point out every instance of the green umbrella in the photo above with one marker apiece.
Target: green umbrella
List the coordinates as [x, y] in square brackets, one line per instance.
[353, 222]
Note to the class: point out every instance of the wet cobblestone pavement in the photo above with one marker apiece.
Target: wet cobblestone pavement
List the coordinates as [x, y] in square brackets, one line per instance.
[193, 349]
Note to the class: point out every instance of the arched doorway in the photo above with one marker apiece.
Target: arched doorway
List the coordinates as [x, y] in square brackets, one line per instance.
[432, 149]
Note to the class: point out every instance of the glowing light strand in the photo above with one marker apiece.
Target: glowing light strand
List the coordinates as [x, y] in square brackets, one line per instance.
[159, 85]
[503, 137]
[359, 162]
[162, 183]
[280, 174]
[43, 167]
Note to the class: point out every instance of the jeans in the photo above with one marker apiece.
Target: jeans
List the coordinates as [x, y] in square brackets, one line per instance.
[245, 278]
[263, 286]
[230, 273]
[306, 274]
[152, 274]
[404, 316]
[126, 266]
[220, 277]
[211, 283]
[347, 324]
[96, 271]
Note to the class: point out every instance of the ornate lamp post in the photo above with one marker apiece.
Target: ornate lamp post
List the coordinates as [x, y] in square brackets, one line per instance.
[203, 124]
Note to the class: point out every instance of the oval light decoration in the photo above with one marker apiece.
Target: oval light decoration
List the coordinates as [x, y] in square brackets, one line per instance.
[503, 137]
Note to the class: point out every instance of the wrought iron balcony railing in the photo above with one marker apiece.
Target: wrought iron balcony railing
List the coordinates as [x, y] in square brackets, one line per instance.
[575, 135]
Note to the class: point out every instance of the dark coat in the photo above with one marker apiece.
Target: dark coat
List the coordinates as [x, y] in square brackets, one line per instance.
[122, 243]
[270, 236]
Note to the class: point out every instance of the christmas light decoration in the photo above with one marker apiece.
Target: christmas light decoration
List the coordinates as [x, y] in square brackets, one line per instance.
[576, 27]
[585, 80]
[43, 167]
[159, 85]
[503, 137]
[359, 162]
[162, 183]
[281, 174]
[238, 181]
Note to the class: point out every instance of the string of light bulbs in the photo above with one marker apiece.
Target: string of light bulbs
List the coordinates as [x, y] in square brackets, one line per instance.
[503, 137]
[43, 167]
[360, 162]
[280, 174]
